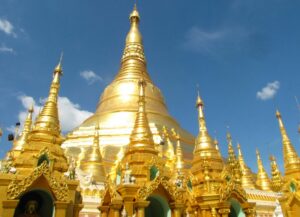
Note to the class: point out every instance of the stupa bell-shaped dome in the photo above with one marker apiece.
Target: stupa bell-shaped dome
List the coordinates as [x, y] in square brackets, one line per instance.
[117, 107]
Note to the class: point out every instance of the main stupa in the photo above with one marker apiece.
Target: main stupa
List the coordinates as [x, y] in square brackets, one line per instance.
[117, 107]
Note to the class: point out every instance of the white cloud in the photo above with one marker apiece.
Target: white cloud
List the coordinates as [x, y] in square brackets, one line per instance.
[90, 76]
[70, 114]
[269, 91]
[5, 49]
[7, 27]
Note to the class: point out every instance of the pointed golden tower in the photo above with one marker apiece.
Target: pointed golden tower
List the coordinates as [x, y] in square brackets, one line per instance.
[231, 153]
[205, 152]
[116, 109]
[277, 181]
[141, 149]
[179, 155]
[262, 178]
[169, 153]
[290, 157]
[44, 139]
[233, 163]
[20, 142]
[92, 163]
[247, 179]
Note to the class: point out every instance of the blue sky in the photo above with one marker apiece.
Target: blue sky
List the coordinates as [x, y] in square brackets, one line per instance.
[230, 49]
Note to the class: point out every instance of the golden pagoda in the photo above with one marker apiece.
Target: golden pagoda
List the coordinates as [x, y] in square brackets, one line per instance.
[34, 183]
[131, 158]
[116, 108]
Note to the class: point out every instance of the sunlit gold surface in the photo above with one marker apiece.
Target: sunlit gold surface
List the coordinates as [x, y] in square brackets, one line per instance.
[290, 157]
[91, 163]
[276, 179]
[262, 178]
[21, 140]
[117, 108]
[45, 135]
[247, 179]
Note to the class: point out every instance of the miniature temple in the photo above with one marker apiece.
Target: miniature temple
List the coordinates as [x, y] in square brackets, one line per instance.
[132, 159]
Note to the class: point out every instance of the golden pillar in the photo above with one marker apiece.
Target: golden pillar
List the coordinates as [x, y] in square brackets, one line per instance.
[61, 208]
[116, 205]
[104, 211]
[177, 209]
[9, 207]
[141, 205]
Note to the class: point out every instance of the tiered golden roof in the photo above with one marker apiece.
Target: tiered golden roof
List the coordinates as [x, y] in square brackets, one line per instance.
[290, 157]
[232, 161]
[247, 179]
[141, 149]
[262, 179]
[277, 180]
[45, 137]
[92, 163]
[205, 153]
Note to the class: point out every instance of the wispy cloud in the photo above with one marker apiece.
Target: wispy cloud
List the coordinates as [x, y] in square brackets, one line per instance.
[5, 49]
[210, 42]
[269, 91]
[225, 41]
[90, 76]
[7, 27]
[70, 114]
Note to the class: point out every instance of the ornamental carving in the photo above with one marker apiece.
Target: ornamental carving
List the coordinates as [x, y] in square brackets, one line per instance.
[58, 187]
[145, 191]
[231, 187]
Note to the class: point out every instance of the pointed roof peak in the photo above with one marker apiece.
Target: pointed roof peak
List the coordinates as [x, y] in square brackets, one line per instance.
[58, 68]
[134, 16]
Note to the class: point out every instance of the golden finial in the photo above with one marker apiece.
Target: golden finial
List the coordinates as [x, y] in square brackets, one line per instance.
[1, 132]
[204, 140]
[247, 180]
[262, 178]
[58, 68]
[277, 180]
[290, 156]
[134, 16]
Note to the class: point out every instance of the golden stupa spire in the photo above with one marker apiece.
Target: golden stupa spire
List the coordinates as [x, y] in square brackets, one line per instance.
[247, 176]
[133, 63]
[141, 136]
[179, 154]
[290, 156]
[48, 119]
[170, 154]
[262, 178]
[277, 180]
[92, 161]
[231, 152]
[203, 140]
[232, 160]
[19, 143]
